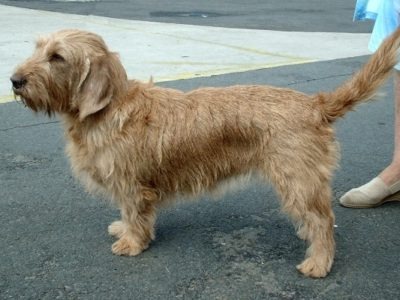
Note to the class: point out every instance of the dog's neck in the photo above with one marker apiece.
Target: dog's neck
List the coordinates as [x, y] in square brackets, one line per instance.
[130, 106]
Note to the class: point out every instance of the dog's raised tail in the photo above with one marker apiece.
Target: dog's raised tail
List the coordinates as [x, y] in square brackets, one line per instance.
[364, 84]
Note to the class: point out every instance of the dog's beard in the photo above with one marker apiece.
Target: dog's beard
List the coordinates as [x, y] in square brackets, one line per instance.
[35, 103]
[22, 96]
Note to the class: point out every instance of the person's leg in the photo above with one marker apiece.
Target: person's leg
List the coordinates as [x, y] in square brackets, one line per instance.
[386, 186]
[392, 173]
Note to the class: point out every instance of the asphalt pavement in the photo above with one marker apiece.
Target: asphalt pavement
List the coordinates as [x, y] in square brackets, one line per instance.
[53, 238]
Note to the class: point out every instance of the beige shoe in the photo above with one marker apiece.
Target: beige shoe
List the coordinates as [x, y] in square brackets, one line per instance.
[371, 194]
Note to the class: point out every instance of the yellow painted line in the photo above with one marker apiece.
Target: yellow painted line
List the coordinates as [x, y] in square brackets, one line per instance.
[289, 59]
[238, 48]
[6, 99]
[228, 70]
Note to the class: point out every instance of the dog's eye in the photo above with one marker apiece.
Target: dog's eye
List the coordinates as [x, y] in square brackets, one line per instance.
[55, 57]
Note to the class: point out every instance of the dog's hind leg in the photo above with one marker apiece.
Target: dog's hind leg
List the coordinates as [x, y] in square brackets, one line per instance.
[307, 199]
[136, 228]
[316, 227]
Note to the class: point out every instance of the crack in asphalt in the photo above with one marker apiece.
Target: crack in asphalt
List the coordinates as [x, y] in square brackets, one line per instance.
[28, 126]
[320, 78]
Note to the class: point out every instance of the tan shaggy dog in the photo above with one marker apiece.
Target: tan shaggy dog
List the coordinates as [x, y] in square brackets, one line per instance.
[144, 145]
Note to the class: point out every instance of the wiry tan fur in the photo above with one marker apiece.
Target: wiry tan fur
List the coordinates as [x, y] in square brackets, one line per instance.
[143, 145]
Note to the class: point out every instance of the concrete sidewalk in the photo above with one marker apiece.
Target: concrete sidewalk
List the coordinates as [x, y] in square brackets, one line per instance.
[173, 51]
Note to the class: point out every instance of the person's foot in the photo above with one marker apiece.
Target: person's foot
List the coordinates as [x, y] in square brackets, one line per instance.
[371, 194]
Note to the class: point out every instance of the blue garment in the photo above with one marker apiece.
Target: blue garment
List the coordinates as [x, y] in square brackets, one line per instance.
[386, 16]
[366, 9]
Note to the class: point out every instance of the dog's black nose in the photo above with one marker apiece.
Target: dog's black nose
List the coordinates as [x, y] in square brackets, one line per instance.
[18, 81]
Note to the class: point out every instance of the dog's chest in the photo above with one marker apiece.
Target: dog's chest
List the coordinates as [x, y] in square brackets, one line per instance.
[91, 165]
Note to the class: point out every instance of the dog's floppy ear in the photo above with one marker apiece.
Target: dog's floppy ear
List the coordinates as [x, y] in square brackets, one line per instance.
[102, 79]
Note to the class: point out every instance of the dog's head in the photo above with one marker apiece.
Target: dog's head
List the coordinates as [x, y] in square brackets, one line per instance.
[70, 71]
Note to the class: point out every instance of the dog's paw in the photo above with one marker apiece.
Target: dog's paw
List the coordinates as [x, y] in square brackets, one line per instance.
[116, 228]
[127, 246]
[309, 267]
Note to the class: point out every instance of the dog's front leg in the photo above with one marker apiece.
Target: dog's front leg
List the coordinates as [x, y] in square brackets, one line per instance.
[136, 228]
